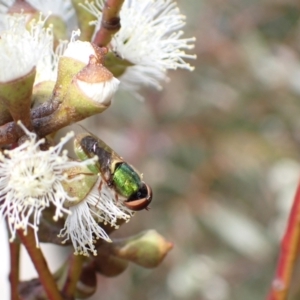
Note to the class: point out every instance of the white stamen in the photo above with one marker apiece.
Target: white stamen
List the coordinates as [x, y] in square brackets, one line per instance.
[149, 38]
[100, 205]
[31, 180]
[20, 49]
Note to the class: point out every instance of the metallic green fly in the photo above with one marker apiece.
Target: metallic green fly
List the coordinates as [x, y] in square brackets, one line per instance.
[117, 174]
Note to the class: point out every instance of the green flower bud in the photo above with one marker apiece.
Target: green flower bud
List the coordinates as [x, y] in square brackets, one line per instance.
[84, 18]
[147, 249]
[84, 86]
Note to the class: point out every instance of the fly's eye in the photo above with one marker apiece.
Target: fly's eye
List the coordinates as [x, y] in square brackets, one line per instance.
[141, 199]
[140, 194]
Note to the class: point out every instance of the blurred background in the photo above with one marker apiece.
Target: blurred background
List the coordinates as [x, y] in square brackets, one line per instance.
[220, 148]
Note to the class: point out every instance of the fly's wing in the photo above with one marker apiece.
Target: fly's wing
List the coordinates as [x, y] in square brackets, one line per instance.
[82, 131]
[89, 145]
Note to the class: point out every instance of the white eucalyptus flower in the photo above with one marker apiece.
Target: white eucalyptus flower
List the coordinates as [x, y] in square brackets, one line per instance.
[47, 67]
[22, 49]
[79, 50]
[149, 38]
[100, 205]
[31, 180]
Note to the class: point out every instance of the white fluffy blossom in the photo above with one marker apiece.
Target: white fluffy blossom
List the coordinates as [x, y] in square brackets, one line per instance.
[22, 49]
[149, 38]
[47, 67]
[31, 180]
[100, 205]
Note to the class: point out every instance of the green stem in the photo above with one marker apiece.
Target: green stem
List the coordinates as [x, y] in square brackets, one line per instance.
[40, 264]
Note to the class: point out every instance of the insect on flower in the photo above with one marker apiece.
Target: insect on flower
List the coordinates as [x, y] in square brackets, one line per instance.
[119, 175]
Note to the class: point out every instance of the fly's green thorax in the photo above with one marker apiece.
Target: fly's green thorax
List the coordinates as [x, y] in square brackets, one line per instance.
[126, 180]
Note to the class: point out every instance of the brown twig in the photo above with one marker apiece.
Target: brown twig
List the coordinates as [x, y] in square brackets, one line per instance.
[44, 122]
[14, 249]
[110, 23]
[40, 264]
[288, 254]
[74, 272]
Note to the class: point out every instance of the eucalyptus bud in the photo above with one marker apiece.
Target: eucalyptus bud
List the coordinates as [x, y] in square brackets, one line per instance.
[147, 249]
[84, 18]
[16, 95]
[84, 86]
[109, 265]
[22, 47]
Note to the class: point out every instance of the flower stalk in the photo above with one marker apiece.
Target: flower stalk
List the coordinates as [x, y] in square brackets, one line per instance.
[74, 271]
[14, 250]
[40, 265]
[110, 23]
